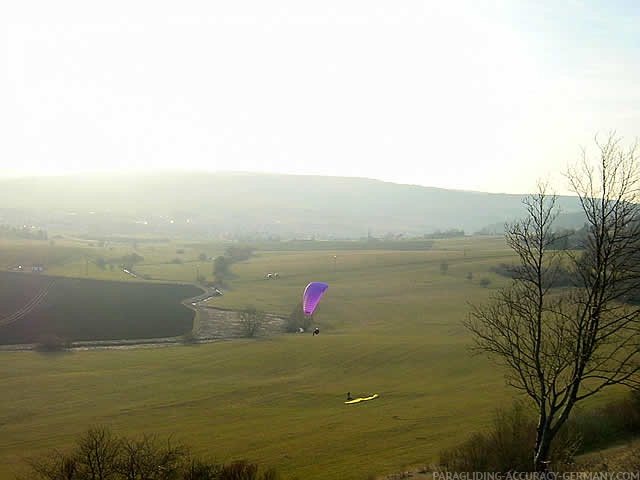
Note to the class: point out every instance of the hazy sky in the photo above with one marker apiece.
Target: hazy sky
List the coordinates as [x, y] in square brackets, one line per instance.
[473, 95]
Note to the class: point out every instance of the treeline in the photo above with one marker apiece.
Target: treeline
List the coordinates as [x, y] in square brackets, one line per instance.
[222, 264]
[100, 455]
[126, 261]
[561, 239]
[562, 277]
[30, 233]
[348, 245]
[451, 233]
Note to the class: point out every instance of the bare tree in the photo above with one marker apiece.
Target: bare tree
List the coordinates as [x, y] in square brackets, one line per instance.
[55, 466]
[147, 458]
[97, 452]
[562, 345]
[251, 320]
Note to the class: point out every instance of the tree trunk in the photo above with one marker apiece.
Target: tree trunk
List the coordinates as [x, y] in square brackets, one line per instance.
[543, 445]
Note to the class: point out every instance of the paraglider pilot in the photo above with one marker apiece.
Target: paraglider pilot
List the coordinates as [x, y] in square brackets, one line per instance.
[349, 396]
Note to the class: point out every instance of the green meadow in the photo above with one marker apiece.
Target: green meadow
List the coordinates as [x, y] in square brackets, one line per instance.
[390, 324]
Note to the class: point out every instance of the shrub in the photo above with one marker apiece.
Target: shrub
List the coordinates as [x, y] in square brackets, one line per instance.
[131, 259]
[297, 320]
[189, 338]
[99, 454]
[149, 458]
[444, 267]
[609, 423]
[507, 446]
[49, 342]
[243, 470]
[628, 462]
[55, 466]
[251, 320]
[198, 469]
[239, 253]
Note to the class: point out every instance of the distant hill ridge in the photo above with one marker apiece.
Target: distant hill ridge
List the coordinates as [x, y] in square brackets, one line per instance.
[278, 204]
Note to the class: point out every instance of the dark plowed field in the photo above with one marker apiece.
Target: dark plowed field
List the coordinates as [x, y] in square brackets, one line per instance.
[33, 306]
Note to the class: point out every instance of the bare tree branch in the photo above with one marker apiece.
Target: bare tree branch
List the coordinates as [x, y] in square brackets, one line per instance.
[562, 345]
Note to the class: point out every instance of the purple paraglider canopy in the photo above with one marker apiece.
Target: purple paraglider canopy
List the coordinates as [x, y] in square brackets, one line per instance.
[312, 295]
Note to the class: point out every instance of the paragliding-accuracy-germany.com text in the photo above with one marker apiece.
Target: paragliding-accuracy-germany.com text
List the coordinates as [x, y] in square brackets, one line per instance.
[536, 475]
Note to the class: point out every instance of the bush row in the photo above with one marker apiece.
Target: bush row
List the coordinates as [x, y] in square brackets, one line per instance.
[101, 455]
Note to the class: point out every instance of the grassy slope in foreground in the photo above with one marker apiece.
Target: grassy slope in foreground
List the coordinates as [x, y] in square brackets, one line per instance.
[390, 324]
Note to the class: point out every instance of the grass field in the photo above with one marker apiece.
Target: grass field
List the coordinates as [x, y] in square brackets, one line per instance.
[389, 322]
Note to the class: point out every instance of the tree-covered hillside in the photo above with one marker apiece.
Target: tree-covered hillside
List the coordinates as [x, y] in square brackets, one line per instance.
[250, 203]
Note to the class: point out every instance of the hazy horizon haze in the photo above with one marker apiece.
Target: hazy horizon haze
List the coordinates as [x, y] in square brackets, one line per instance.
[474, 96]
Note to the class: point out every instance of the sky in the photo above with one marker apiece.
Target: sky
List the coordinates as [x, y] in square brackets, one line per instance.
[470, 95]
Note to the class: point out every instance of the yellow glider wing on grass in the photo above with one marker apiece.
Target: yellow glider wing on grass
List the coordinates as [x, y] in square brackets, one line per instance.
[361, 399]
